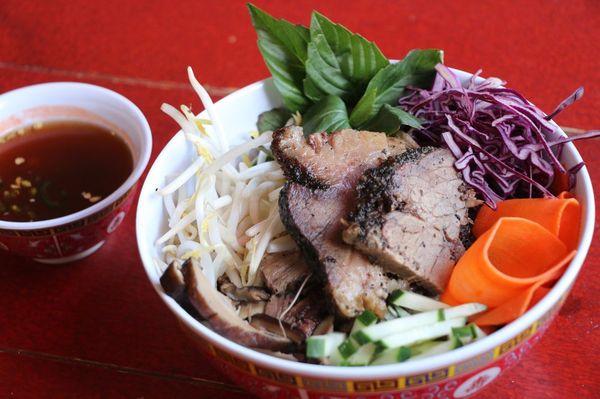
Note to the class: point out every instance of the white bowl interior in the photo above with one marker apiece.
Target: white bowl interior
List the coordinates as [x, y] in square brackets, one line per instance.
[238, 113]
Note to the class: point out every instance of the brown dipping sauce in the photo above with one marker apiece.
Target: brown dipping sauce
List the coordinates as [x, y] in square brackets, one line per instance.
[53, 169]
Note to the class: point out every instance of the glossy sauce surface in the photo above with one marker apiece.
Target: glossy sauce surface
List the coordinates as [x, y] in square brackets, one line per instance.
[53, 169]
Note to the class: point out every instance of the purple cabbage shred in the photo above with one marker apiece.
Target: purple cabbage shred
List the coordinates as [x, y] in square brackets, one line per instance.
[505, 147]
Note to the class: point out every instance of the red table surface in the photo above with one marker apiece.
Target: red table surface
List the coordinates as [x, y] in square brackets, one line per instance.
[95, 328]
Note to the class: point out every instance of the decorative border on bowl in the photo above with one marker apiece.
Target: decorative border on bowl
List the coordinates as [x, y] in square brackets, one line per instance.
[69, 226]
[391, 384]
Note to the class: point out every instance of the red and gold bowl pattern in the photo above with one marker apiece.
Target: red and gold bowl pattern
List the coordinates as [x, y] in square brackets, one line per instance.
[70, 239]
[459, 380]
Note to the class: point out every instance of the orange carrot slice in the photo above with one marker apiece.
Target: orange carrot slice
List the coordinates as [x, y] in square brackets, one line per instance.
[448, 299]
[511, 256]
[523, 301]
[560, 216]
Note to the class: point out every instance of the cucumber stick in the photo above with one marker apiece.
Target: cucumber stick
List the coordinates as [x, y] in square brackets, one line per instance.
[421, 333]
[349, 346]
[439, 347]
[463, 335]
[401, 312]
[362, 357]
[381, 330]
[394, 355]
[410, 300]
[393, 312]
[479, 332]
[321, 346]
[363, 320]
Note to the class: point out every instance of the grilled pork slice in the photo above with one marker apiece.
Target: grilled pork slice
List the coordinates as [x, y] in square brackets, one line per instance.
[322, 160]
[323, 171]
[412, 216]
[284, 271]
[304, 316]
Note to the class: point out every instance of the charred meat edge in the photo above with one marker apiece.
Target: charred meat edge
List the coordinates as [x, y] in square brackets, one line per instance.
[294, 170]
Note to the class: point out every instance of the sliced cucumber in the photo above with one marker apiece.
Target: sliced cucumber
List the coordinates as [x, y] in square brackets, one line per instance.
[421, 347]
[320, 346]
[479, 332]
[349, 346]
[363, 320]
[362, 356]
[393, 312]
[381, 330]
[335, 359]
[463, 335]
[439, 347]
[421, 333]
[413, 301]
[394, 355]
[401, 311]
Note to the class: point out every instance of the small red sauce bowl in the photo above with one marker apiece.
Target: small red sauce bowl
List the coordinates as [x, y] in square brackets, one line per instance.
[79, 234]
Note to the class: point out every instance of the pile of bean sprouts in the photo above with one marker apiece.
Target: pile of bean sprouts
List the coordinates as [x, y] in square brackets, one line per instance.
[223, 208]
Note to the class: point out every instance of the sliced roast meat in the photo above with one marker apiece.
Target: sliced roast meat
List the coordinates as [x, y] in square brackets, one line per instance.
[305, 315]
[216, 309]
[314, 219]
[412, 215]
[264, 322]
[323, 160]
[277, 304]
[323, 171]
[283, 271]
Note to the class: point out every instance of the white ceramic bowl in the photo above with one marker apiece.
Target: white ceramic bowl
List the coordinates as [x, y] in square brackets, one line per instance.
[458, 373]
[79, 234]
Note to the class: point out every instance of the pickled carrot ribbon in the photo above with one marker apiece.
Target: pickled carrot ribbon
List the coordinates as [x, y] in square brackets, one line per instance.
[560, 216]
[520, 248]
[523, 301]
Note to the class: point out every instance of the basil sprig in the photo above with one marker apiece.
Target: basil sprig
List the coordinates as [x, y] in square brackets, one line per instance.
[336, 78]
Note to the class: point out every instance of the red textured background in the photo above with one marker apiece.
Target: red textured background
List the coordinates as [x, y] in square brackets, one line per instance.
[95, 329]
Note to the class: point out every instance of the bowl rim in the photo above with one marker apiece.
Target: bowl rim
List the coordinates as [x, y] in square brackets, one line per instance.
[134, 176]
[435, 362]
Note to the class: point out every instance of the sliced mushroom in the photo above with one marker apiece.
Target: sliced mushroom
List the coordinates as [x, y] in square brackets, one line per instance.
[221, 316]
[243, 294]
[271, 324]
[172, 282]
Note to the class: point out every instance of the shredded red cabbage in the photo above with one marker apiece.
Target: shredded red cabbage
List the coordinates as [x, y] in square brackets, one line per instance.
[504, 146]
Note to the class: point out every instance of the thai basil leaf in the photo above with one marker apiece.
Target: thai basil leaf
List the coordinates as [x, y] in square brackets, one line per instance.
[390, 119]
[328, 115]
[416, 69]
[284, 48]
[339, 62]
[311, 91]
[273, 119]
